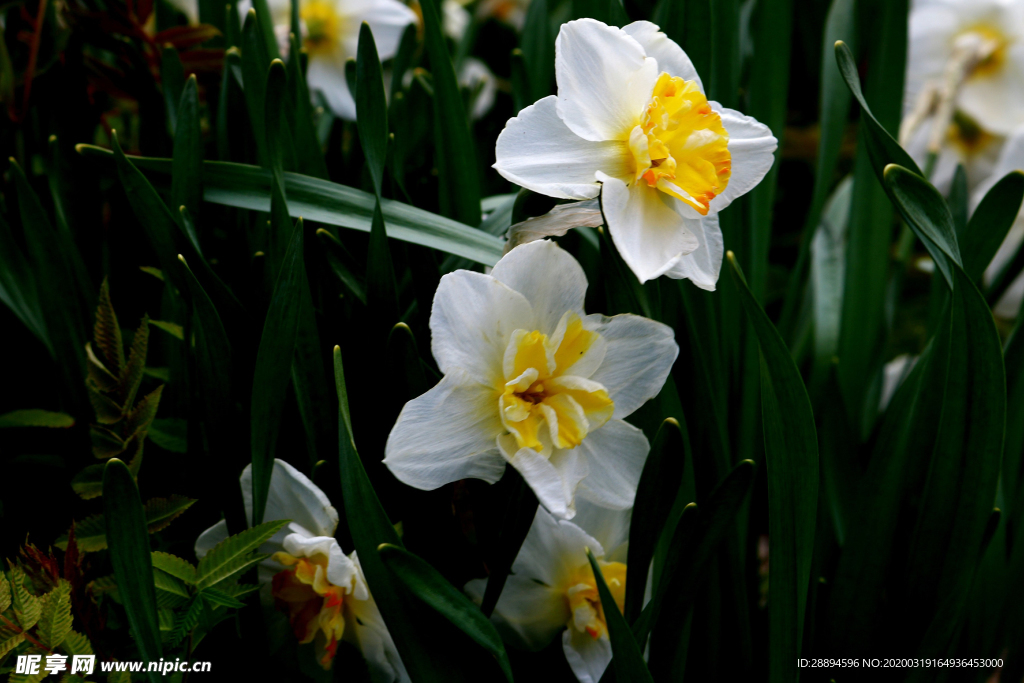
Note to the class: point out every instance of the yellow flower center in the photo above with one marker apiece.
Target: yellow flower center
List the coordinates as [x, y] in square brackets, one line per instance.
[680, 146]
[537, 393]
[323, 26]
[585, 601]
[314, 604]
[965, 133]
[996, 45]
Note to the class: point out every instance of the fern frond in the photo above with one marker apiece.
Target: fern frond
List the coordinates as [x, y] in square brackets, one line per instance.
[107, 332]
[55, 618]
[175, 566]
[234, 553]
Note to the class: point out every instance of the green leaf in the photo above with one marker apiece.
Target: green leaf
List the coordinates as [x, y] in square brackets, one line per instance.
[308, 154]
[107, 332]
[627, 657]
[342, 264]
[36, 418]
[248, 187]
[186, 620]
[9, 643]
[828, 268]
[458, 171]
[370, 527]
[170, 434]
[172, 73]
[5, 592]
[371, 106]
[139, 419]
[266, 24]
[234, 553]
[381, 287]
[270, 383]
[187, 173]
[174, 566]
[520, 509]
[882, 147]
[538, 45]
[403, 58]
[256, 56]
[18, 287]
[216, 597]
[130, 557]
[27, 607]
[990, 223]
[173, 329]
[429, 586]
[659, 483]
[90, 532]
[76, 644]
[927, 213]
[791, 455]
[55, 619]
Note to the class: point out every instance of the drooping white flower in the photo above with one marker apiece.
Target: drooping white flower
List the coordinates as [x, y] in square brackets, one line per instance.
[483, 87]
[1011, 159]
[531, 380]
[552, 589]
[631, 123]
[964, 84]
[322, 590]
[330, 36]
[977, 42]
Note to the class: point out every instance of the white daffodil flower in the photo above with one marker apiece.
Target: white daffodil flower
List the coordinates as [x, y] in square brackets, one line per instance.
[967, 55]
[330, 36]
[322, 590]
[1011, 159]
[531, 380]
[552, 589]
[964, 144]
[631, 123]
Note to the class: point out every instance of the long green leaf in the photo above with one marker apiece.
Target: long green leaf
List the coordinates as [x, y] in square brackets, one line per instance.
[429, 586]
[627, 657]
[270, 384]
[538, 45]
[990, 223]
[130, 557]
[458, 171]
[371, 106]
[187, 173]
[791, 455]
[248, 187]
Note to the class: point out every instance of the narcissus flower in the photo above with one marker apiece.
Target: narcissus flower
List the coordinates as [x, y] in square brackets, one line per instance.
[964, 85]
[322, 590]
[532, 381]
[631, 122]
[552, 588]
[330, 36]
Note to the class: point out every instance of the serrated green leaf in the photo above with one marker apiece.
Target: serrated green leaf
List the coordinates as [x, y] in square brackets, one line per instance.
[76, 644]
[5, 592]
[107, 333]
[89, 482]
[186, 620]
[173, 329]
[131, 378]
[233, 553]
[139, 419]
[36, 418]
[248, 187]
[9, 643]
[27, 607]
[174, 566]
[216, 597]
[55, 618]
[130, 557]
[433, 589]
[160, 512]
[168, 584]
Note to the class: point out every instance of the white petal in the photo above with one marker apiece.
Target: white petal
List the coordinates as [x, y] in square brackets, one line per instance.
[471, 322]
[752, 147]
[556, 222]
[553, 550]
[447, 434]
[610, 527]
[341, 571]
[931, 29]
[293, 496]
[604, 79]
[997, 102]
[553, 479]
[703, 265]
[637, 361]
[587, 657]
[372, 636]
[671, 58]
[548, 276]
[647, 230]
[537, 151]
[210, 538]
[616, 453]
[528, 614]
[387, 20]
[327, 74]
